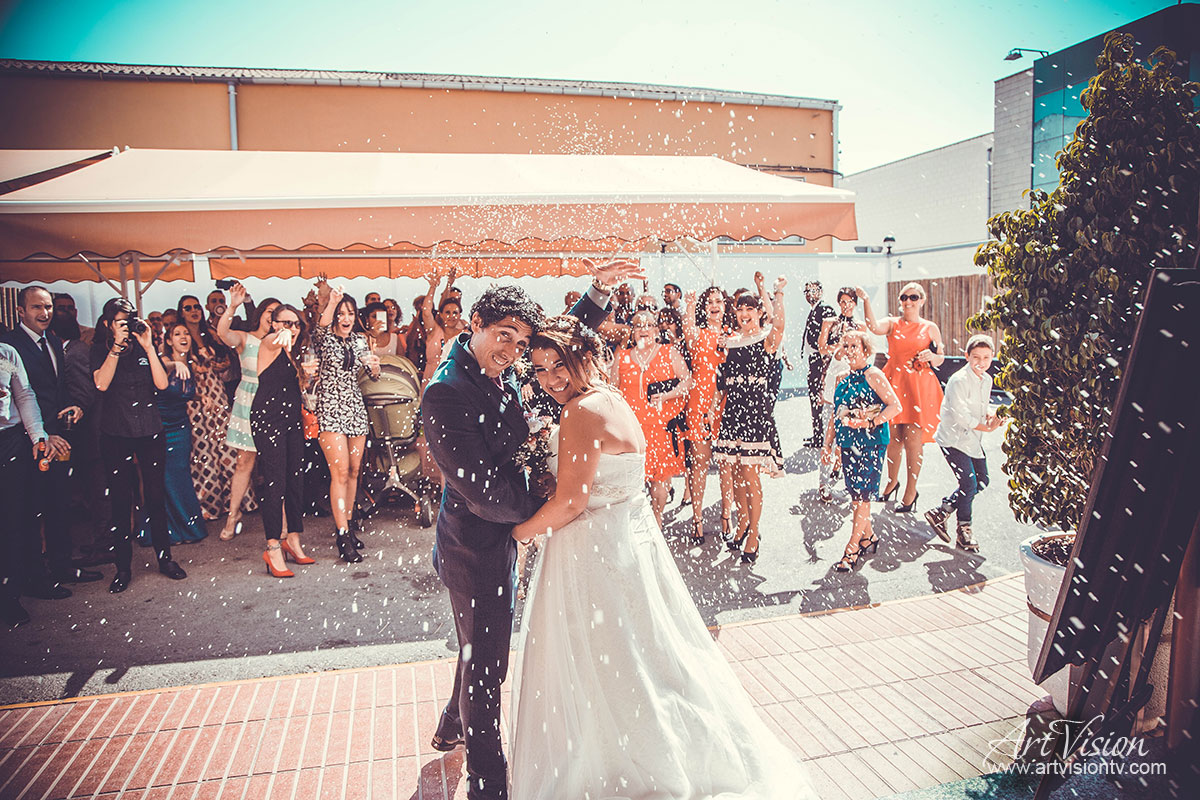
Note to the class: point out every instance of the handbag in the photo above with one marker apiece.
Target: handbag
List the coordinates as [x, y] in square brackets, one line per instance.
[655, 388]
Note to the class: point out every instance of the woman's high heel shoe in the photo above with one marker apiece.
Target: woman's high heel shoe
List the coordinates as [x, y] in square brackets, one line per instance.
[735, 543]
[890, 493]
[288, 551]
[907, 509]
[726, 526]
[275, 573]
[346, 548]
[872, 545]
[750, 557]
[849, 559]
[697, 536]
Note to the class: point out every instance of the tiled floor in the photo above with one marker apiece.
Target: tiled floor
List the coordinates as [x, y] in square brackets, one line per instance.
[876, 700]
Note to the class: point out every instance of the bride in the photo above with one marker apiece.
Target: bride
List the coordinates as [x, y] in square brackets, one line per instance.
[620, 691]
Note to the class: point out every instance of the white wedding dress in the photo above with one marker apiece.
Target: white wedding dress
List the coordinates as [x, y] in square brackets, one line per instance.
[620, 691]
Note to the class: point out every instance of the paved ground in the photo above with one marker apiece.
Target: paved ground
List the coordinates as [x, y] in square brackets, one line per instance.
[230, 621]
[899, 697]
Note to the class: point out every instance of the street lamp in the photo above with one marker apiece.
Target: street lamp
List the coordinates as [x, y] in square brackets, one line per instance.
[1015, 53]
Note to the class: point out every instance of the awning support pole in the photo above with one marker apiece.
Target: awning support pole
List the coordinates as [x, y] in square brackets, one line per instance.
[100, 274]
[123, 264]
[176, 258]
[137, 282]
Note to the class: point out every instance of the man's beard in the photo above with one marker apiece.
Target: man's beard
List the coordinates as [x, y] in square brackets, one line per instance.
[66, 328]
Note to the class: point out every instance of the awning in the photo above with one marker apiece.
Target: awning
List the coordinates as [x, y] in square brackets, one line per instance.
[157, 201]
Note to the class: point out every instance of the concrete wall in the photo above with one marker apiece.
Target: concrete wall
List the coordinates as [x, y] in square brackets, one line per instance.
[935, 204]
[1012, 152]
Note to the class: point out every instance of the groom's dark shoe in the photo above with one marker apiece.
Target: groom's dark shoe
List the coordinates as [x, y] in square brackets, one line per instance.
[447, 743]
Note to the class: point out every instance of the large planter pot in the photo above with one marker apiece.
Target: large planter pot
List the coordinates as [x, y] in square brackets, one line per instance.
[1043, 579]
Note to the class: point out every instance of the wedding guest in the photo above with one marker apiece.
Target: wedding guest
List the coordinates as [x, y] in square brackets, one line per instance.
[828, 469]
[238, 435]
[127, 372]
[384, 341]
[748, 433]
[817, 363]
[215, 305]
[64, 308]
[570, 299]
[864, 401]
[672, 296]
[372, 298]
[833, 327]
[213, 461]
[44, 359]
[184, 518]
[707, 322]
[654, 381]
[395, 318]
[22, 439]
[646, 302]
[914, 349]
[342, 350]
[623, 309]
[964, 419]
[279, 439]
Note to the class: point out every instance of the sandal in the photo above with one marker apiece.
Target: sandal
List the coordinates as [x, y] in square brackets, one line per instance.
[735, 543]
[872, 545]
[726, 529]
[697, 536]
[849, 559]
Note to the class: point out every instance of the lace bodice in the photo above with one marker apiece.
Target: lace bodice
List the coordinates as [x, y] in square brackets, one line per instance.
[619, 476]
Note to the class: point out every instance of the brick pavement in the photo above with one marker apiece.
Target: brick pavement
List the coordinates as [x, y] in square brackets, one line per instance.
[876, 700]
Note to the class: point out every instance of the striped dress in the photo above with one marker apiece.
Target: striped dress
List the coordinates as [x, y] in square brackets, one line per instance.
[239, 419]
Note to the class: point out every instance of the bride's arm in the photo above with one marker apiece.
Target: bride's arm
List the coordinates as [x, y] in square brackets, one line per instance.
[578, 456]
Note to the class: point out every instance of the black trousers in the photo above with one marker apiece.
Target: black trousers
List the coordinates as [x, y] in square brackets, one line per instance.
[484, 627]
[817, 366]
[20, 549]
[281, 462]
[52, 501]
[151, 454]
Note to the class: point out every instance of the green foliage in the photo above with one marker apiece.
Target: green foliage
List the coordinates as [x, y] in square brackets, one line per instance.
[1071, 271]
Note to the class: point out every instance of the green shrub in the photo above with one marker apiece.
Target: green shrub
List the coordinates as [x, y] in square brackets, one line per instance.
[1070, 273]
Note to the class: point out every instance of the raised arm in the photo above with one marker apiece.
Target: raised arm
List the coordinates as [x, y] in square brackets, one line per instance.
[579, 457]
[874, 326]
[458, 444]
[237, 296]
[775, 307]
[157, 371]
[690, 329]
[330, 310]
[427, 317]
[449, 284]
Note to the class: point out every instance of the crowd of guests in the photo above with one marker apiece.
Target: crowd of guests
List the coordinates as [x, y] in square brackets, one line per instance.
[157, 425]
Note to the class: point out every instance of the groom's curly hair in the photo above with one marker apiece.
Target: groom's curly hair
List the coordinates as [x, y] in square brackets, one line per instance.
[499, 301]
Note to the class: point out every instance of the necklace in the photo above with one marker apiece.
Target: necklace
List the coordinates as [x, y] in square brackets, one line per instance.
[644, 362]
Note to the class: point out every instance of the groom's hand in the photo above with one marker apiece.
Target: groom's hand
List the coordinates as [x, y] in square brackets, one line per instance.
[544, 485]
[615, 272]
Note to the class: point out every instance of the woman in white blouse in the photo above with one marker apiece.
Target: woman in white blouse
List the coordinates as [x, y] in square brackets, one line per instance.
[964, 420]
[384, 341]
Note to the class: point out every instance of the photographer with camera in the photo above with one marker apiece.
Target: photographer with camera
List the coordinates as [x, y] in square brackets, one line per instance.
[127, 372]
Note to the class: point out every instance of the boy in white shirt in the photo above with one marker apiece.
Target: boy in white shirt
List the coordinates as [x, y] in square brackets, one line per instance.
[964, 420]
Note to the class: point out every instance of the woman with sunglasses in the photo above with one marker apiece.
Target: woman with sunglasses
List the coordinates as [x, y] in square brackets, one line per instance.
[239, 436]
[914, 349]
[654, 381]
[213, 461]
[128, 373]
[279, 439]
[342, 351]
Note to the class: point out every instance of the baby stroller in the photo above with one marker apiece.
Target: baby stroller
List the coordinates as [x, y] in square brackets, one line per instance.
[391, 463]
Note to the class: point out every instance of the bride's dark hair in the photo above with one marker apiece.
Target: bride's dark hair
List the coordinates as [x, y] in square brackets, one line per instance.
[580, 348]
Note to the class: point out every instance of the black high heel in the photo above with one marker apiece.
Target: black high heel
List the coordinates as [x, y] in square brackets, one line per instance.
[907, 509]
[697, 536]
[735, 543]
[871, 546]
[889, 494]
[849, 560]
[749, 558]
[726, 533]
[346, 549]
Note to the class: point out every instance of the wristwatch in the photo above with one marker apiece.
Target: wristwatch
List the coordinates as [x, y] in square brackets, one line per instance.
[599, 286]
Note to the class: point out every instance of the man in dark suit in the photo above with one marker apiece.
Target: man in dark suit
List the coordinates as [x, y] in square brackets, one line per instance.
[45, 364]
[474, 424]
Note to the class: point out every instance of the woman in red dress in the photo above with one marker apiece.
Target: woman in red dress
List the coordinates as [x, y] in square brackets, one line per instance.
[706, 322]
[914, 349]
[655, 381]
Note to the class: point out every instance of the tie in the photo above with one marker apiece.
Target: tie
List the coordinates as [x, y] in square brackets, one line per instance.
[46, 352]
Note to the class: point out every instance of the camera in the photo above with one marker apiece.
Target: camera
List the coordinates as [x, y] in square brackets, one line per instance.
[137, 326]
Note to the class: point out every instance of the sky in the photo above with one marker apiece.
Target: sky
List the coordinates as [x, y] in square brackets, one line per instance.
[910, 76]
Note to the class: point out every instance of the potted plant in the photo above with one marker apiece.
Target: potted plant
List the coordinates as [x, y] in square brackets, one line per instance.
[1070, 273]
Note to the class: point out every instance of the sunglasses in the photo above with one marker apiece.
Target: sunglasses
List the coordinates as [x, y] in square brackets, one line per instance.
[192, 307]
[912, 297]
[289, 323]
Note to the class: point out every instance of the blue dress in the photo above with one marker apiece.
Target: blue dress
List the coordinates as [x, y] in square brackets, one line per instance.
[183, 508]
[863, 449]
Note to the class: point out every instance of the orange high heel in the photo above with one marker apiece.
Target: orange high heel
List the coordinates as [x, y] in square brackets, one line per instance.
[286, 573]
[288, 551]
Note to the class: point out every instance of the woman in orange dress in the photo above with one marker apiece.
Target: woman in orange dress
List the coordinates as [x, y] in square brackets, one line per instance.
[706, 323]
[914, 349]
[655, 381]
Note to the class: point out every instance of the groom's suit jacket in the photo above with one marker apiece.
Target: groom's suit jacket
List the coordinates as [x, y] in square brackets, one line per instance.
[473, 429]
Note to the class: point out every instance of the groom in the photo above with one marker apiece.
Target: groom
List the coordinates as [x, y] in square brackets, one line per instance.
[474, 424]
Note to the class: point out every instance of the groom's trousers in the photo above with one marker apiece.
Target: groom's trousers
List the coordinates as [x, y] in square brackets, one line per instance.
[484, 627]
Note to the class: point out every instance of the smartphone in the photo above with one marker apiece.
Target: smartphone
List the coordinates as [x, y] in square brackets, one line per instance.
[381, 317]
[226, 283]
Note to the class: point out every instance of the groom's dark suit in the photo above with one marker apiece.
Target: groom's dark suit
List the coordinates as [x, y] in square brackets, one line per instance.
[473, 428]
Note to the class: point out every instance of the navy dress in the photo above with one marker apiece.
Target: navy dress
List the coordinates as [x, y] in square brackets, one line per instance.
[862, 448]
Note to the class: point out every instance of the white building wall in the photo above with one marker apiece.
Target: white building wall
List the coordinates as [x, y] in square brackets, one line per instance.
[930, 200]
[1013, 149]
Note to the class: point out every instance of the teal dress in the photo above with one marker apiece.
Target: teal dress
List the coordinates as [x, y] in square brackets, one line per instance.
[863, 449]
[185, 522]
